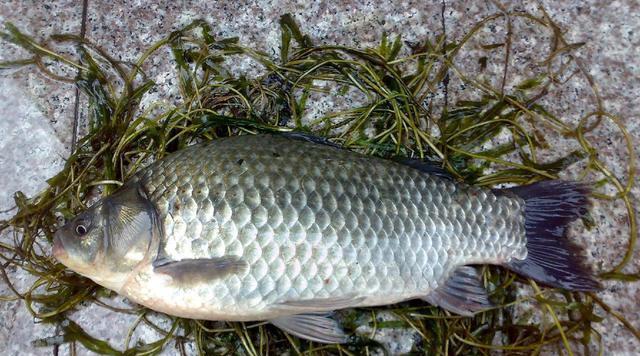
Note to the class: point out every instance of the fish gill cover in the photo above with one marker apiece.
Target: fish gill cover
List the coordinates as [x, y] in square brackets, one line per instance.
[492, 137]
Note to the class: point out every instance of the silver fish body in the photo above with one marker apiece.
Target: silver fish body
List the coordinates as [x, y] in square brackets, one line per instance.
[266, 227]
[317, 222]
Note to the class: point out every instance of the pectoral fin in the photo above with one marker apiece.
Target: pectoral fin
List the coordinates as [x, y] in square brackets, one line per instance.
[463, 293]
[318, 327]
[199, 270]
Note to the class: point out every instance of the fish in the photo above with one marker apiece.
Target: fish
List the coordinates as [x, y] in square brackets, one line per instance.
[289, 228]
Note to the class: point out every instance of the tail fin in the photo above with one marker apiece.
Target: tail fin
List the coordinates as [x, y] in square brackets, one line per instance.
[552, 259]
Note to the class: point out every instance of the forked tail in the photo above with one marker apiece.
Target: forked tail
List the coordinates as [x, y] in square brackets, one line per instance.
[552, 259]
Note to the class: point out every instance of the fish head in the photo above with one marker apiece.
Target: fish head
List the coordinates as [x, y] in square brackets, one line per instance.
[77, 243]
[111, 239]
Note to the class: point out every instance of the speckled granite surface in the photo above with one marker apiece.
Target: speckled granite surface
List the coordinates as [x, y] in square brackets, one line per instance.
[36, 113]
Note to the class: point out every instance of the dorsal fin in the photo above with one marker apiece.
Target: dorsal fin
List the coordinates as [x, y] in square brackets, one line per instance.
[303, 136]
[426, 166]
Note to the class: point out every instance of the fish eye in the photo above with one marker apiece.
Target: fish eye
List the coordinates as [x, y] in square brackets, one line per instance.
[81, 229]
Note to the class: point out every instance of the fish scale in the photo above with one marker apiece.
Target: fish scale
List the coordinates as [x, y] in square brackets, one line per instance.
[317, 222]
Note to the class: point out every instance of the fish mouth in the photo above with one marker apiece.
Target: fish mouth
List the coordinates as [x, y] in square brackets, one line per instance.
[59, 251]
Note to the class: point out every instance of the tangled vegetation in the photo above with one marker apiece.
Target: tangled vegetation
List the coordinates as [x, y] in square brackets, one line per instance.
[391, 116]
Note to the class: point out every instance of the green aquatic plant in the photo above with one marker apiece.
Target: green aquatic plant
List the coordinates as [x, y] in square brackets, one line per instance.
[491, 139]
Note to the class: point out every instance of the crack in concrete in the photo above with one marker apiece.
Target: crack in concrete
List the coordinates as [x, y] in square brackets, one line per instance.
[445, 80]
[76, 103]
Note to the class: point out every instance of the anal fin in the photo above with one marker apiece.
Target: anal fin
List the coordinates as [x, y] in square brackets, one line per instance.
[318, 327]
[463, 293]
